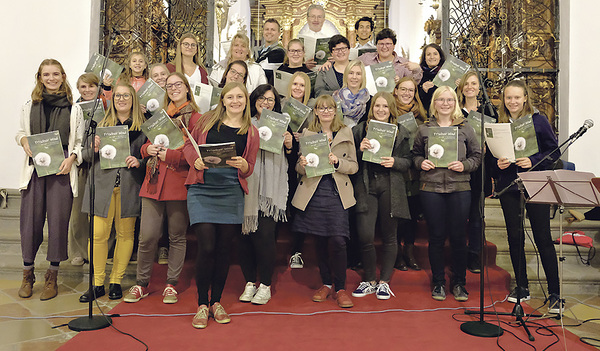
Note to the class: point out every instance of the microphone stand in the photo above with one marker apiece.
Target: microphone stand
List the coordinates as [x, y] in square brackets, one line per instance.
[91, 322]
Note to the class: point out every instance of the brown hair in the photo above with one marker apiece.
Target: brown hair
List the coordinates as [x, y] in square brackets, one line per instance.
[528, 108]
[463, 81]
[110, 120]
[88, 78]
[391, 101]
[178, 63]
[128, 73]
[293, 41]
[65, 88]
[416, 98]
[189, 96]
[315, 124]
[217, 115]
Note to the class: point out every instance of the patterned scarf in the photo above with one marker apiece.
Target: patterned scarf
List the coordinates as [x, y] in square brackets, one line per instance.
[353, 106]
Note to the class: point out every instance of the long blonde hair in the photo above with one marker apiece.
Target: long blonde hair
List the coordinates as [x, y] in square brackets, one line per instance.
[307, 86]
[65, 88]
[136, 115]
[178, 63]
[217, 115]
[351, 65]
[315, 124]
[457, 113]
[528, 108]
[459, 90]
[391, 101]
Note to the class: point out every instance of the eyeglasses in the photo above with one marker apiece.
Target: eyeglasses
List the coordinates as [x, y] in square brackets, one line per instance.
[295, 52]
[406, 90]
[447, 101]
[176, 85]
[313, 17]
[263, 99]
[126, 96]
[340, 50]
[325, 109]
[189, 45]
[236, 73]
[385, 44]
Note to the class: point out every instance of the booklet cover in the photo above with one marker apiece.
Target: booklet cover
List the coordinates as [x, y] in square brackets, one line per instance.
[206, 96]
[317, 49]
[215, 155]
[282, 81]
[355, 53]
[47, 152]
[315, 149]
[161, 130]
[512, 140]
[114, 146]
[443, 145]
[380, 77]
[271, 127]
[381, 135]
[523, 137]
[88, 106]
[112, 70]
[409, 122]
[297, 112]
[474, 119]
[152, 96]
[451, 70]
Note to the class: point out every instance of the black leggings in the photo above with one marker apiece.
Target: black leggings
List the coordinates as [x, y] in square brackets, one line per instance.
[331, 254]
[257, 251]
[212, 259]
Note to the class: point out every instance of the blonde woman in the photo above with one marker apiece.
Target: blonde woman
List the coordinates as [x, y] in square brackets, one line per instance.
[353, 97]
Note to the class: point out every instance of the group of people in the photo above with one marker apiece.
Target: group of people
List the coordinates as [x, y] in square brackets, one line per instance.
[172, 191]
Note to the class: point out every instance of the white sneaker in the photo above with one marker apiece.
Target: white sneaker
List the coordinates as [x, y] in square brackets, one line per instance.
[249, 292]
[296, 260]
[163, 255]
[77, 261]
[263, 295]
[383, 291]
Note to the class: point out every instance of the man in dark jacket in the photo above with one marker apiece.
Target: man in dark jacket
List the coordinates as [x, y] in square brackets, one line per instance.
[270, 55]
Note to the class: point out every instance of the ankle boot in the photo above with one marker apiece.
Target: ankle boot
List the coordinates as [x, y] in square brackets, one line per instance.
[26, 289]
[50, 286]
[400, 265]
[409, 256]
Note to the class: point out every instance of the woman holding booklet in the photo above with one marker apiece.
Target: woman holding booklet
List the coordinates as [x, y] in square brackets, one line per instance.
[50, 109]
[432, 59]
[117, 192]
[353, 97]
[215, 197]
[517, 104]
[408, 101]
[380, 192]
[323, 201]
[164, 196]
[265, 204]
[188, 61]
[331, 77]
[446, 156]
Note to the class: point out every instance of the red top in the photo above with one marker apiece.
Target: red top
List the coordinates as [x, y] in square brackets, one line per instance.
[171, 67]
[195, 176]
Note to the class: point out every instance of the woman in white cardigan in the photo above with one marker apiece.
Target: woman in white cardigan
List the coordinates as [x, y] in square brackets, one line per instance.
[50, 109]
[240, 50]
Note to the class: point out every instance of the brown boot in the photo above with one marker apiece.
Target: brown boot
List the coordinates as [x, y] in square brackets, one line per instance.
[50, 287]
[26, 289]
[409, 256]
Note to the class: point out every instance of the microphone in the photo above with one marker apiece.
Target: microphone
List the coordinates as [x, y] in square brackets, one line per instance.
[586, 125]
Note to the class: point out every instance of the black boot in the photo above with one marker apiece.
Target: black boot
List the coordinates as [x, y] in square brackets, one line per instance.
[473, 263]
[91, 295]
[400, 264]
[409, 256]
[115, 292]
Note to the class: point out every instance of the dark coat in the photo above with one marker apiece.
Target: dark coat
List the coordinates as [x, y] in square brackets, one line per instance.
[274, 54]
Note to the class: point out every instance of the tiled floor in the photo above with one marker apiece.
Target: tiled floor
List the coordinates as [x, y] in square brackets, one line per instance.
[36, 332]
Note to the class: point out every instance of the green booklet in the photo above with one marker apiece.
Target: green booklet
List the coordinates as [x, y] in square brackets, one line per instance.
[315, 48]
[112, 70]
[315, 148]
[381, 135]
[512, 140]
[152, 96]
[297, 112]
[215, 155]
[281, 81]
[523, 135]
[313, 78]
[443, 145]
[206, 96]
[356, 53]
[380, 77]
[114, 146]
[47, 152]
[409, 122]
[88, 106]
[271, 127]
[451, 70]
[161, 130]
[474, 119]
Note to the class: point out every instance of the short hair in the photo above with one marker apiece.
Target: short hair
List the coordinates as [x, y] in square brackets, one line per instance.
[338, 39]
[236, 62]
[272, 20]
[189, 96]
[88, 78]
[528, 108]
[436, 94]
[438, 49]
[293, 41]
[459, 90]
[351, 65]
[315, 123]
[386, 33]
[260, 91]
[313, 7]
[137, 117]
[391, 101]
[307, 86]
[365, 19]
[65, 88]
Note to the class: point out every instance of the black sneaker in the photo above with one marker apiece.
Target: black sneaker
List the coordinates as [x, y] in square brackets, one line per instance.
[555, 304]
[523, 294]
[460, 293]
[438, 293]
[473, 263]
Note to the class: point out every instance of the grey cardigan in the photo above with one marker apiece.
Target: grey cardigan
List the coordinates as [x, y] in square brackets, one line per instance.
[326, 83]
[402, 162]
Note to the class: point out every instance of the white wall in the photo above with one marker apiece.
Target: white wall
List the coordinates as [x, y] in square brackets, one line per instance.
[31, 31]
[578, 80]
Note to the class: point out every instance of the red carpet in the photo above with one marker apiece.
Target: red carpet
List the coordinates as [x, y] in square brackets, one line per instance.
[371, 324]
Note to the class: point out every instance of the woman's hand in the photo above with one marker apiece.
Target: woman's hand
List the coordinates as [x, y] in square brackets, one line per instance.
[387, 162]
[297, 136]
[427, 85]
[143, 108]
[132, 162]
[152, 150]
[287, 140]
[503, 163]
[333, 159]
[412, 66]
[396, 79]
[26, 148]
[162, 154]
[96, 144]
[108, 81]
[365, 144]
[238, 162]
[302, 161]
[427, 165]
[199, 165]
[66, 164]
[326, 66]
[456, 166]
[310, 64]
[524, 162]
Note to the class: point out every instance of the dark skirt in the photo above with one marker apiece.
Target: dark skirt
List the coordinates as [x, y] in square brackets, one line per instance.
[324, 215]
[219, 200]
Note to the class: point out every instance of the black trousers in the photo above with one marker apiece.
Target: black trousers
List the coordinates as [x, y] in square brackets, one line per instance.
[331, 256]
[257, 251]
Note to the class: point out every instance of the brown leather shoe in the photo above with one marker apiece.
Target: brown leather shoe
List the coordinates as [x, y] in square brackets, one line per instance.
[218, 313]
[50, 286]
[343, 299]
[322, 294]
[26, 289]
